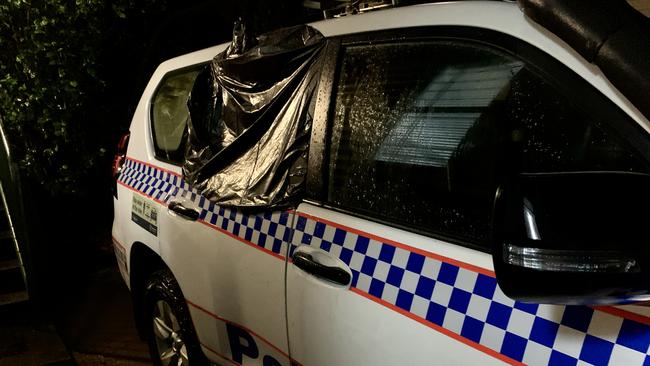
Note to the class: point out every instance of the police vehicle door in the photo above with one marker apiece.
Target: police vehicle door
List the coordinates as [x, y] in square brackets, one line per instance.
[390, 257]
[229, 265]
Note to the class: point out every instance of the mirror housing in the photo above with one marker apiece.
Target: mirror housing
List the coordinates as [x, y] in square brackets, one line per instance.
[574, 238]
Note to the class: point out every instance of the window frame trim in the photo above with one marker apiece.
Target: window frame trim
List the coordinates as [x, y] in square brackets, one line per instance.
[317, 160]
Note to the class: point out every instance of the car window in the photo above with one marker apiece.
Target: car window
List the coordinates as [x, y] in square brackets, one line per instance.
[169, 114]
[425, 132]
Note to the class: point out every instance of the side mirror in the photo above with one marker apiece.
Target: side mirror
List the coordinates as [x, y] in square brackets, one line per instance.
[574, 238]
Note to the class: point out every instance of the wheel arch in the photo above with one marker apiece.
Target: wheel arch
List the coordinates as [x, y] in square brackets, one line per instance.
[143, 262]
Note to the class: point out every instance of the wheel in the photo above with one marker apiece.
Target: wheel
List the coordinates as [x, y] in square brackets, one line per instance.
[172, 338]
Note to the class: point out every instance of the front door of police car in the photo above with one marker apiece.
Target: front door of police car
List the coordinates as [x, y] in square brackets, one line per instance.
[422, 133]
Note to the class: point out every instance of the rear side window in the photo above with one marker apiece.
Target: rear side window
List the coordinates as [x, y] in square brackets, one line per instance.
[169, 114]
[425, 132]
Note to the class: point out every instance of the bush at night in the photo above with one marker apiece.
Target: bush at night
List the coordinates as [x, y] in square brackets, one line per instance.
[71, 72]
[57, 65]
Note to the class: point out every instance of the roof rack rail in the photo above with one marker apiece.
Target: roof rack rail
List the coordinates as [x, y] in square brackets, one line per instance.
[340, 8]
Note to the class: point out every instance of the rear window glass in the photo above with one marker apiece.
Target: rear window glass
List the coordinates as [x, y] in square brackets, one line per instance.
[169, 114]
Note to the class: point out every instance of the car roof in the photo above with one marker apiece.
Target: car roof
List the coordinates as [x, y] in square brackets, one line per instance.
[501, 16]
[480, 13]
[471, 13]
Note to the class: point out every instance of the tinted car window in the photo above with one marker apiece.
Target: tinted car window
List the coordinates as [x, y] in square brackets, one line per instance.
[425, 132]
[551, 133]
[169, 114]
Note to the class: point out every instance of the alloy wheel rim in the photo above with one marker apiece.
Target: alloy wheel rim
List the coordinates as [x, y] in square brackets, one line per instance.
[170, 346]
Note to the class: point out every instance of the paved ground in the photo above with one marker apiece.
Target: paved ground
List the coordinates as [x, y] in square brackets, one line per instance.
[99, 360]
[100, 319]
[91, 326]
[29, 343]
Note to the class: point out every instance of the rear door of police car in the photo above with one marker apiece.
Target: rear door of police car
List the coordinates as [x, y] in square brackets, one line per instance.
[390, 259]
[229, 265]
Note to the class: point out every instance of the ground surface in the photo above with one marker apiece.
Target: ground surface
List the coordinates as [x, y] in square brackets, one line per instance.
[90, 325]
[100, 319]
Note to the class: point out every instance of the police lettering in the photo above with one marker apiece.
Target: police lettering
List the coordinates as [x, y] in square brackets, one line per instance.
[242, 343]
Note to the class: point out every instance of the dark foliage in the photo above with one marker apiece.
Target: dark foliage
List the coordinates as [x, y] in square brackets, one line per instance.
[71, 72]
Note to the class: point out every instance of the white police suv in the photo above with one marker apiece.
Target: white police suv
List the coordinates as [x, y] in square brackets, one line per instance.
[461, 183]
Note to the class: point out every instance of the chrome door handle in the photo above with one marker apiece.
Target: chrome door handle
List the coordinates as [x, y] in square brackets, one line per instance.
[184, 212]
[307, 263]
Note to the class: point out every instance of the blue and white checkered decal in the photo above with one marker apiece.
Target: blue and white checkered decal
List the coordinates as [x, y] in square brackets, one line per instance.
[471, 305]
[269, 231]
[448, 297]
[156, 183]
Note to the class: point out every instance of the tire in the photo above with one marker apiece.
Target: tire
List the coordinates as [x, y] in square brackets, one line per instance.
[170, 333]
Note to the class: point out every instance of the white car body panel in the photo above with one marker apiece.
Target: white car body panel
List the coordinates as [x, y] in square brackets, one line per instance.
[224, 278]
[243, 285]
[364, 332]
[353, 319]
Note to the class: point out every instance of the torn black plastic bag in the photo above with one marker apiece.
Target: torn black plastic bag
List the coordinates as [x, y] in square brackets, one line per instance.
[250, 118]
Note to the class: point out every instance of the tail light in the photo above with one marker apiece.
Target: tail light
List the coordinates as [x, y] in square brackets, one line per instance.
[120, 157]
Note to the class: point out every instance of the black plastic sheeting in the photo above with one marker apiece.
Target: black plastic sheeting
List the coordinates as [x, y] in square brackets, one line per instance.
[608, 33]
[251, 110]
